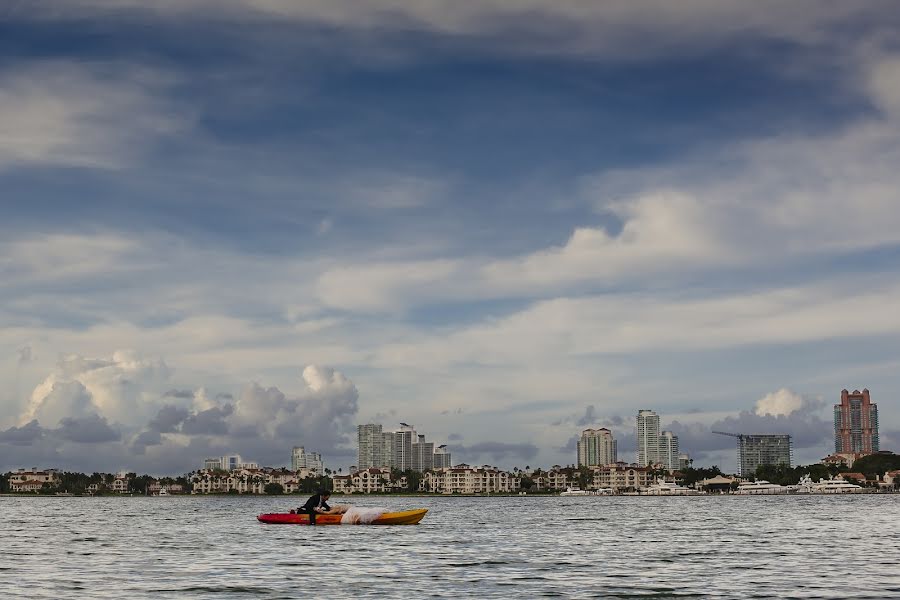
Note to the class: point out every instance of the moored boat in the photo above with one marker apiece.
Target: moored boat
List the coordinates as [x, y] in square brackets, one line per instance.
[406, 517]
[761, 486]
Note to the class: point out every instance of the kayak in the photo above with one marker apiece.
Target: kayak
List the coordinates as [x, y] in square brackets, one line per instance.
[406, 517]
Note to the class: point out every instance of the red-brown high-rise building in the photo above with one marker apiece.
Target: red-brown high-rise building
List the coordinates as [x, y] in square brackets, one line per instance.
[855, 423]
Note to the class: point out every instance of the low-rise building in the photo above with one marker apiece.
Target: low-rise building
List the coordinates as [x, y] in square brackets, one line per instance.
[843, 459]
[32, 480]
[621, 477]
[463, 479]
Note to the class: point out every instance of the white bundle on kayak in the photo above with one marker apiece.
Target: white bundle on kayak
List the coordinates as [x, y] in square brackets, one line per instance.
[361, 515]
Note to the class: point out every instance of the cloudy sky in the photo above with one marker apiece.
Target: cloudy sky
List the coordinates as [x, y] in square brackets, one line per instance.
[242, 225]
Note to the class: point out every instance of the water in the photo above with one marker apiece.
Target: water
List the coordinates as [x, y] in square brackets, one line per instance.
[587, 547]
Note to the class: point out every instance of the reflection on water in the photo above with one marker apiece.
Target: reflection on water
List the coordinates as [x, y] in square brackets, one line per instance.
[578, 547]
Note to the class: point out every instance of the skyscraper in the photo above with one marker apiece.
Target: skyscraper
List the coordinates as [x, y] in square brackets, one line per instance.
[757, 450]
[402, 447]
[422, 455]
[442, 457]
[596, 448]
[648, 438]
[856, 423]
[371, 446]
[301, 459]
[668, 451]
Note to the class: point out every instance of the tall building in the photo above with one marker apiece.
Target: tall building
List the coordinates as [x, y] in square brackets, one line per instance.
[597, 448]
[371, 446]
[301, 459]
[757, 450]
[855, 423]
[229, 462]
[668, 451]
[648, 438]
[422, 455]
[442, 457]
[402, 447]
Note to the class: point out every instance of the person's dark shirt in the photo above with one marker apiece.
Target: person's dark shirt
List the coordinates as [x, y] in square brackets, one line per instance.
[314, 502]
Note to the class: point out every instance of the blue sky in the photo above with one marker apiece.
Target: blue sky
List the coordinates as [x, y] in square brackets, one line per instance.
[267, 221]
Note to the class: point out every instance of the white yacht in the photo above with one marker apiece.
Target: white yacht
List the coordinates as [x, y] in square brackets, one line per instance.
[836, 485]
[668, 488]
[804, 486]
[163, 492]
[761, 486]
[575, 491]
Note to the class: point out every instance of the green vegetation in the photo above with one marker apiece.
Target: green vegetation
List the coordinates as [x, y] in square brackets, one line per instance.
[311, 485]
[692, 475]
[4, 483]
[274, 489]
[876, 464]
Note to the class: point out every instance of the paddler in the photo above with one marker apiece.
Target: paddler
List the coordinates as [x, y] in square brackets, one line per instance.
[315, 505]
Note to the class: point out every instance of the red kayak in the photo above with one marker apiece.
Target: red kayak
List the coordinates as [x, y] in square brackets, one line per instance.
[406, 517]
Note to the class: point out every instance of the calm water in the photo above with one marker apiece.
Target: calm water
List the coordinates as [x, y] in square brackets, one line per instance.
[593, 547]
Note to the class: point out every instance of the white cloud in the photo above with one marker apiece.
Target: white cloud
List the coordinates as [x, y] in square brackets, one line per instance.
[74, 114]
[120, 388]
[884, 85]
[782, 402]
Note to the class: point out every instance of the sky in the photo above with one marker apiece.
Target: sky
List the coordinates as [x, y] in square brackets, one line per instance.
[236, 226]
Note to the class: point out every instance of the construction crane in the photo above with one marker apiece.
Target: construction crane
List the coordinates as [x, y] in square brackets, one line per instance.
[739, 436]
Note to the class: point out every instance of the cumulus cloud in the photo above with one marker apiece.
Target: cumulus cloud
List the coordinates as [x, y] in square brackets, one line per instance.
[168, 419]
[782, 402]
[71, 411]
[781, 412]
[208, 422]
[119, 388]
[93, 429]
[25, 435]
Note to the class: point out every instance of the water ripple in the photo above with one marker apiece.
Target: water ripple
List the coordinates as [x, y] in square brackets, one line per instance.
[591, 547]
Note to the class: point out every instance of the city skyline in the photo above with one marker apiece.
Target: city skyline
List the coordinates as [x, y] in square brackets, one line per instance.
[504, 221]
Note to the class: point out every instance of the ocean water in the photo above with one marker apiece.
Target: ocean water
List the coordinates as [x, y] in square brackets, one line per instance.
[517, 547]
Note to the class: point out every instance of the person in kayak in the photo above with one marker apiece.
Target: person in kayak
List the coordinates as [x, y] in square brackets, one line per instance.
[315, 505]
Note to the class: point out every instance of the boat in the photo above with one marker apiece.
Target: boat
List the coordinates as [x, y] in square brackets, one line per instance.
[575, 491]
[836, 485]
[761, 486]
[163, 492]
[406, 517]
[669, 488]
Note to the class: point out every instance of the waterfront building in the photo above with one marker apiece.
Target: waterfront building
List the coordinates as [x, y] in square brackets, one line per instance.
[402, 447]
[32, 480]
[647, 426]
[856, 423]
[441, 458]
[620, 477]
[422, 455]
[668, 451]
[684, 462]
[367, 481]
[596, 447]
[556, 479]
[843, 459]
[122, 483]
[757, 450]
[371, 446]
[229, 462]
[301, 459]
[463, 479]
